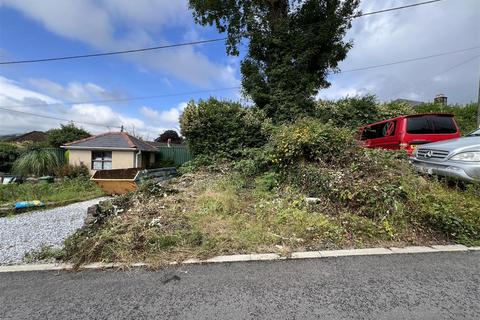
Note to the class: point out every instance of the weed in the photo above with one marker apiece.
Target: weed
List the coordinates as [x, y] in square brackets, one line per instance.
[45, 254]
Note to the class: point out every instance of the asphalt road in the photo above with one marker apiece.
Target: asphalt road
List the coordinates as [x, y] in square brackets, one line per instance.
[414, 286]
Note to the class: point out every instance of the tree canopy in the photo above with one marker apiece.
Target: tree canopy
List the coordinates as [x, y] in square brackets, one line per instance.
[66, 133]
[169, 134]
[292, 46]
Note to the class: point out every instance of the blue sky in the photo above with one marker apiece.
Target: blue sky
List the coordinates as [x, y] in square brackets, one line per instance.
[36, 29]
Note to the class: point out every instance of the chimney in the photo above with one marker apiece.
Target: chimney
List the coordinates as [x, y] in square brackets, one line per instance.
[440, 99]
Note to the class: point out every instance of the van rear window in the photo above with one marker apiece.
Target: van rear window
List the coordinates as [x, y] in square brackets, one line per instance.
[431, 124]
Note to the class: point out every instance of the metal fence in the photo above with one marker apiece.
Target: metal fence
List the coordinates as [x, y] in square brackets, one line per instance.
[7, 160]
[59, 152]
[178, 154]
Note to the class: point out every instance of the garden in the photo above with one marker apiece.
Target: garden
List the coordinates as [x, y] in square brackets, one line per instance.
[37, 174]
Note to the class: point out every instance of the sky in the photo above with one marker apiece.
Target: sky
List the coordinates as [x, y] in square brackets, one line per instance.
[80, 89]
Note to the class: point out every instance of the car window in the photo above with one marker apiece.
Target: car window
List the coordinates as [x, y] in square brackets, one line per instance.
[380, 130]
[431, 124]
[475, 133]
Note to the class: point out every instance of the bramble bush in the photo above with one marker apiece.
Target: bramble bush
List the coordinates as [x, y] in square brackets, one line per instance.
[325, 162]
[308, 140]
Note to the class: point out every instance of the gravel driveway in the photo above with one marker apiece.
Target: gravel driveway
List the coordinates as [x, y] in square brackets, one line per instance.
[31, 231]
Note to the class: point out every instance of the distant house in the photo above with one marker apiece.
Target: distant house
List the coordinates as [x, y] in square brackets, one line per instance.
[412, 103]
[32, 136]
[112, 150]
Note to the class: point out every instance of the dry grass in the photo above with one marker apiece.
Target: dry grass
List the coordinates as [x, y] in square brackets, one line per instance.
[212, 213]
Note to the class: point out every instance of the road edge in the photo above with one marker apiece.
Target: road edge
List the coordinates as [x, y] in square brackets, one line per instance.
[252, 257]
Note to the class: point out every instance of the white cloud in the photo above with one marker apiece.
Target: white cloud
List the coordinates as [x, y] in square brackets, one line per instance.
[414, 32]
[165, 118]
[126, 24]
[93, 117]
[11, 93]
[75, 91]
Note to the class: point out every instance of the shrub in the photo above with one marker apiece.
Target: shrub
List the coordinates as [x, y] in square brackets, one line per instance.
[358, 111]
[308, 140]
[66, 133]
[8, 154]
[214, 127]
[252, 161]
[394, 109]
[71, 171]
[196, 163]
[348, 112]
[37, 163]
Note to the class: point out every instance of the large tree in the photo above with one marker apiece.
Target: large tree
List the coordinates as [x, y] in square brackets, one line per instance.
[169, 134]
[66, 133]
[292, 46]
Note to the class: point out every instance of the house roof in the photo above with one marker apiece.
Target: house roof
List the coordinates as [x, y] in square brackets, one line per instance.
[111, 140]
[34, 136]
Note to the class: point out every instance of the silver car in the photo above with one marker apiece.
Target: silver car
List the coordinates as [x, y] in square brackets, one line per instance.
[455, 158]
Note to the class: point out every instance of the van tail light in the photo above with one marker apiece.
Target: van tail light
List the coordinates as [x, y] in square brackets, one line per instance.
[407, 147]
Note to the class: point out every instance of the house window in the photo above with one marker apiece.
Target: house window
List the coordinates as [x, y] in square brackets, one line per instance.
[101, 160]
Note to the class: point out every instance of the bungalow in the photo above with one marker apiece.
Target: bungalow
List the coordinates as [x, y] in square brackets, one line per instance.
[111, 150]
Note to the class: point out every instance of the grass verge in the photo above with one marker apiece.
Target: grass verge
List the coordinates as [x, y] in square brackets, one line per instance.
[54, 194]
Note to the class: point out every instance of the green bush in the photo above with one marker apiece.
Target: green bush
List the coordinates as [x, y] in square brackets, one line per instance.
[215, 127]
[66, 133]
[252, 161]
[358, 111]
[71, 171]
[36, 162]
[193, 165]
[325, 162]
[308, 140]
[8, 154]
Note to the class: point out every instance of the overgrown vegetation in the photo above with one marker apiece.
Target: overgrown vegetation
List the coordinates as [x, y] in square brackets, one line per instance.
[353, 113]
[72, 171]
[256, 201]
[68, 190]
[8, 154]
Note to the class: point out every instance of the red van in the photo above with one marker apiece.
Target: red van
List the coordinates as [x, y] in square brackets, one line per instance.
[407, 132]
